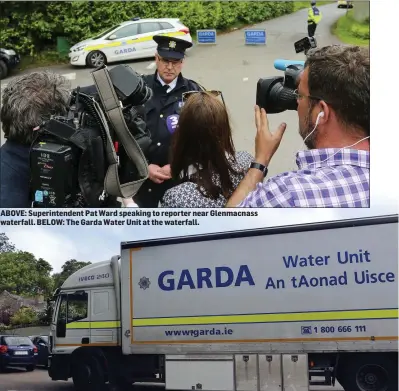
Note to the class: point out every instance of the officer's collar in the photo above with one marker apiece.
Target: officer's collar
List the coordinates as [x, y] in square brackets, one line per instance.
[172, 84]
[178, 82]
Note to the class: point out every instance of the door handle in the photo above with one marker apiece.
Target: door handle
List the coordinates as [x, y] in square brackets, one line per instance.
[85, 341]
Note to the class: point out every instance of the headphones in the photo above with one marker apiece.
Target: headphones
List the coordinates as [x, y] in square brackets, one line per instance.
[320, 115]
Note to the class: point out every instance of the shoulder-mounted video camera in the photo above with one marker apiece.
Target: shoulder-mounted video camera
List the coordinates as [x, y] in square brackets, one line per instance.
[276, 94]
[75, 159]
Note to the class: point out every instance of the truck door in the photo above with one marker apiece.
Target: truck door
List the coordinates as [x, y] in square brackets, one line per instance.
[104, 326]
[73, 326]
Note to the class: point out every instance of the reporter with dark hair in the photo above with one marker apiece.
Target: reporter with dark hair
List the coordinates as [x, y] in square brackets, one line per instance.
[27, 101]
[204, 163]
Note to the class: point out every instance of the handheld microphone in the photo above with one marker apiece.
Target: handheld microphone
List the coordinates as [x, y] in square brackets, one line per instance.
[171, 122]
[281, 65]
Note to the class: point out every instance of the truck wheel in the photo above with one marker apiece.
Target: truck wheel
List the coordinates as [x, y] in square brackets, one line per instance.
[87, 374]
[96, 59]
[368, 372]
[3, 70]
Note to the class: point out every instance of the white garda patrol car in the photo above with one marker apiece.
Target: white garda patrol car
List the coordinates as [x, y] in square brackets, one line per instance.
[126, 41]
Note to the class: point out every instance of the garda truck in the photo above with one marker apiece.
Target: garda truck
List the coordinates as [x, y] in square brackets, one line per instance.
[268, 309]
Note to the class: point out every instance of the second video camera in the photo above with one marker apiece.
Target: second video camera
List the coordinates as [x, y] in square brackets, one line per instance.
[277, 94]
[76, 159]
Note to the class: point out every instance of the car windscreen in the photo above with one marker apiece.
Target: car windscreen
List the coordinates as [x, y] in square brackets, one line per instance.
[44, 338]
[18, 341]
[105, 32]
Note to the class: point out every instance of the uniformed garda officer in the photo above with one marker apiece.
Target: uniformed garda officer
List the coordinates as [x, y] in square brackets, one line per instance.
[314, 17]
[162, 114]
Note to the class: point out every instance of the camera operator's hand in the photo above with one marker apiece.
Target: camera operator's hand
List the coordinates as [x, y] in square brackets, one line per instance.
[266, 143]
[156, 174]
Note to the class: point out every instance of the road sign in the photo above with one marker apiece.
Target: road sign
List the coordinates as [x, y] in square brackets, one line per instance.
[206, 37]
[255, 37]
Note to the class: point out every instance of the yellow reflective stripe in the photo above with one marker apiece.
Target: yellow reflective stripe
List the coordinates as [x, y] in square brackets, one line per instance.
[266, 318]
[130, 41]
[94, 325]
[103, 45]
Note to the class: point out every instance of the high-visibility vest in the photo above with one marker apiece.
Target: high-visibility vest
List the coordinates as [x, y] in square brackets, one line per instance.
[314, 15]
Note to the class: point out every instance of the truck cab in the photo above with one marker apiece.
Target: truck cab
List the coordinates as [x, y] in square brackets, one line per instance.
[85, 334]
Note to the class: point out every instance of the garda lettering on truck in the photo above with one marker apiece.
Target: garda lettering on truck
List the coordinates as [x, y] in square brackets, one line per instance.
[220, 277]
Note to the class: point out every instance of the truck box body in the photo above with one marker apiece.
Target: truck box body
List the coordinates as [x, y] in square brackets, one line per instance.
[313, 288]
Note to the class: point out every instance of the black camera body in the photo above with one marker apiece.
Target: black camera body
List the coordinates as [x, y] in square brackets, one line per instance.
[277, 94]
[71, 155]
[48, 159]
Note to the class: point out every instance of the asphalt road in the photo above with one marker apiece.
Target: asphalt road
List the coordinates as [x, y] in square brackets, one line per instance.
[234, 68]
[19, 380]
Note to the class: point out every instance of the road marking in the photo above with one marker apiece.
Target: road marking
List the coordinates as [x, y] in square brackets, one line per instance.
[152, 65]
[69, 76]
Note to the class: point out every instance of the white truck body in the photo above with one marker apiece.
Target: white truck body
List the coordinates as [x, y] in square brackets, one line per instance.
[266, 291]
[281, 302]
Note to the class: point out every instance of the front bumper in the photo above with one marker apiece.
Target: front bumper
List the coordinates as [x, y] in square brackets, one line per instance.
[59, 367]
[7, 360]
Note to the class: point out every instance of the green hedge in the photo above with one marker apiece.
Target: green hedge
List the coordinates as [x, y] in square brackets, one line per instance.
[350, 31]
[31, 27]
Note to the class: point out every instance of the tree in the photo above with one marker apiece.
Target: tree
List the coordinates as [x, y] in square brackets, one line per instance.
[5, 245]
[23, 274]
[68, 268]
[46, 316]
[24, 316]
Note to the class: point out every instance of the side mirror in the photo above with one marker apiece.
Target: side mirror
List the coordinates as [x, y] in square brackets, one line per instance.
[61, 329]
[112, 37]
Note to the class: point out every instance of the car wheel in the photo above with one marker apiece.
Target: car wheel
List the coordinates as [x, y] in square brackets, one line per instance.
[30, 368]
[96, 59]
[3, 70]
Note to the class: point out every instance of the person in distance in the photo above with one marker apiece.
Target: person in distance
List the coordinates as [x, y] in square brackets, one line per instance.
[314, 18]
[334, 121]
[204, 163]
[27, 101]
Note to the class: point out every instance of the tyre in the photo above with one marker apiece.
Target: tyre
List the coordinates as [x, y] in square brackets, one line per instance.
[87, 374]
[3, 70]
[30, 368]
[368, 372]
[96, 59]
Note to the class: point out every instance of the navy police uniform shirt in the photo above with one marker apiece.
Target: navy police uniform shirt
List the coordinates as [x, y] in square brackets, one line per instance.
[162, 113]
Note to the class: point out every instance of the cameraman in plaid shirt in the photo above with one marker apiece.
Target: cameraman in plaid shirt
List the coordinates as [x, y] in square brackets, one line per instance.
[334, 121]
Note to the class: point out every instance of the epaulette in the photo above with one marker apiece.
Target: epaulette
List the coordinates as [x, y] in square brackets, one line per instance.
[198, 84]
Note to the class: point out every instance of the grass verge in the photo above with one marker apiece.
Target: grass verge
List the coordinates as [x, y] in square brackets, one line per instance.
[43, 59]
[299, 5]
[352, 32]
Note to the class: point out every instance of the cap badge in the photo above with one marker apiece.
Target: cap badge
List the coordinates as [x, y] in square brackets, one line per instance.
[172, 44]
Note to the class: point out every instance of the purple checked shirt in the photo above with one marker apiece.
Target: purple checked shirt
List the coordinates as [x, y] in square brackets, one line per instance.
[342, 181]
